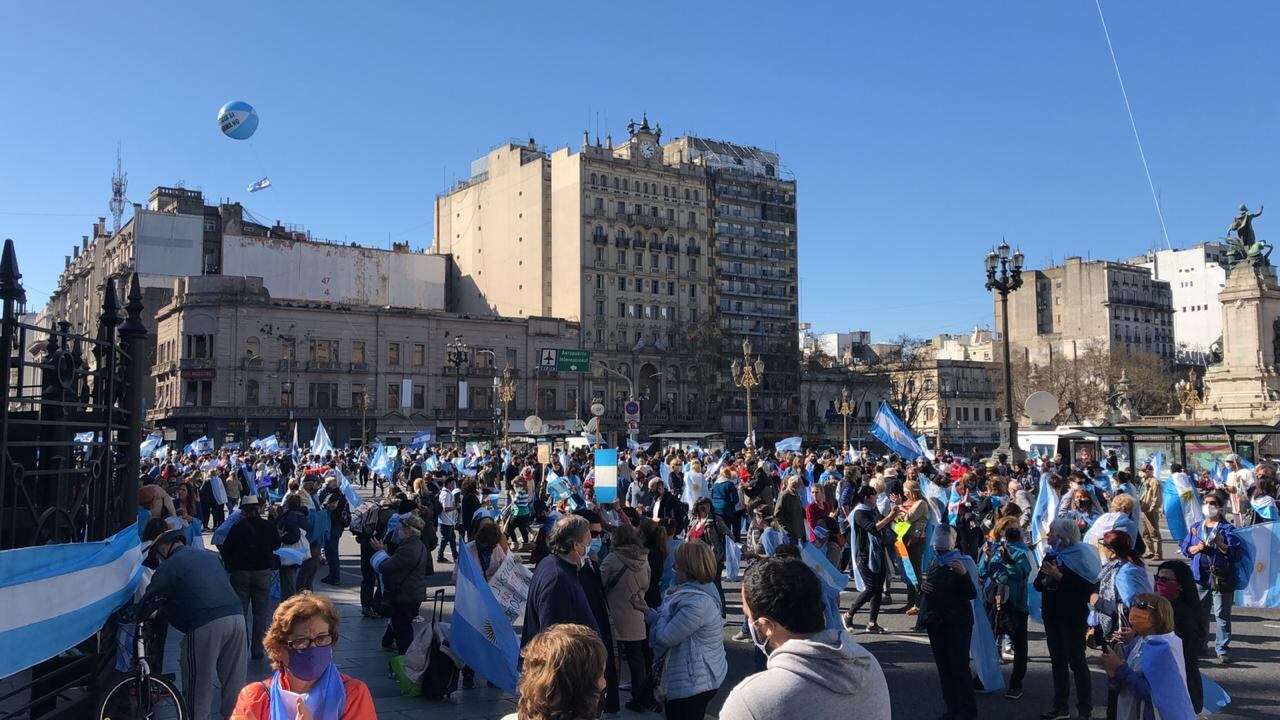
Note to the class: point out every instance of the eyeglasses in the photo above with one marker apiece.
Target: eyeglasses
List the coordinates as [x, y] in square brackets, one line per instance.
[324, 640]
[1143, 605]
[1167, 578]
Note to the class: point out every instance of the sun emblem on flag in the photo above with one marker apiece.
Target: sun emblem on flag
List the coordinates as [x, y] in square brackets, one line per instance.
[489, 633]
[1260, 568]
[1186, 496]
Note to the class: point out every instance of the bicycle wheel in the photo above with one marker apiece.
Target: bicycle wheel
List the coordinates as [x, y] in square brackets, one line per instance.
[161, 701]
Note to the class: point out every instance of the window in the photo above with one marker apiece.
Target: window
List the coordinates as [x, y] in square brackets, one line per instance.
[199, 346]
[482, 358]
[599, 281]
[419, 354]
[419, 397]
[671, 262]
[323, 351]
[653, 261]
[199, 393]
[393, 353]
[693, 290]
[286, 394]
[671, 288]
[600, 254]
[622, 284]
[964, 414]
[693, 265]
[653, 286]
[251, 393]
[393, 396]
[546, 399]
[622, 310]
[252, 347]
[987, 414]
[322, 395]
[358, 399]
[622, 257]
[639, 259]
[599, 307]
[511, 357]
[357, 351]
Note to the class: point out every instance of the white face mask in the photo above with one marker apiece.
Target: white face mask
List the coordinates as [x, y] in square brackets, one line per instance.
[1211, 511]
[762, 643]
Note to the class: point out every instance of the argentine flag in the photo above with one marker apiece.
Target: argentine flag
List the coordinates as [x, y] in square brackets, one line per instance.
[890, 430]
[149, 445]
[480, 633]
[1045, 510]
[381, 465]
[1261, 563]
[791, 444]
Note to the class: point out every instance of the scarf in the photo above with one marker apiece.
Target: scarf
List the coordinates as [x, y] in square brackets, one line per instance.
[1080, 559]
[875, 544]
[326, 701]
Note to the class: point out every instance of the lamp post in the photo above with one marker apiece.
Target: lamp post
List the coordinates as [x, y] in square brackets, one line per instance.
[458, 355]
[845, 408]
[1188, 396]
[746, 375]
[1004, 275]
[507, 393]
[364, 417]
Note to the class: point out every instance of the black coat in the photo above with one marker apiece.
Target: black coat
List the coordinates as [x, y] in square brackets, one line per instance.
[950, 600]
[404, 575]
[250, 545]
[556, 596]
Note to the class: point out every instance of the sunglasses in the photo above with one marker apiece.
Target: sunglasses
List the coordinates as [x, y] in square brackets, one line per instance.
[1143, 605]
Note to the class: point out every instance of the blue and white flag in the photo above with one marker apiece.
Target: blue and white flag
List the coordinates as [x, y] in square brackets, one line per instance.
[923, 442]
[1045, 511]
[161, 452]
[55, 596]
[381, 463]
[297, 451]
[1181, 504]
[1162, 668]
[262, 184]
[559, 488]
[85, 438]
[220, 534]
[606, 475]
[320, 444]
[198, 447]
[148, 446]
[982, 644]
[833, 582]
[480, 632]
[1265, 508]
[890, 430]
[431, 464]
[664, 473]
[348, 491]
[421, 440]
[269, 444]
[633, 445]
[506, 459]
[1261, 562]
[791, 444]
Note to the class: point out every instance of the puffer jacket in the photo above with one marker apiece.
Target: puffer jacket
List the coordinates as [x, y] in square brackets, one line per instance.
[688, 629]
[625, 572]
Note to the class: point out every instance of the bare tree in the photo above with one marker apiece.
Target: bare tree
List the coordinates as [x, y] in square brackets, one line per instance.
[1092, 375]
[906, 367]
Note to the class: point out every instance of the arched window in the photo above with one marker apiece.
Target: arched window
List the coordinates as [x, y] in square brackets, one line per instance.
[615, 183]
[251, 393]
[252, 347]
[696, 196]
[593, 178]
[686, 193]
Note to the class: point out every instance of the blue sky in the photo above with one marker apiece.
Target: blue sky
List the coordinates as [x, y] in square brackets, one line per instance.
[920, 132]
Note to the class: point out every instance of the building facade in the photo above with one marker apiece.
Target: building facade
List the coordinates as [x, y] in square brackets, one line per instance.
[1195, 278]
[752, 203]
[1115, 307]
[234, 363]
[176, 235]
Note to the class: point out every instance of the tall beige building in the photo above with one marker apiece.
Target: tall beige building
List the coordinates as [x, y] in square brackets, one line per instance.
[616, 238]
[1063, 310]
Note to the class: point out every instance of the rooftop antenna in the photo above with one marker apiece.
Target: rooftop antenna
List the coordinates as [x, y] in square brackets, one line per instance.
[119, 184]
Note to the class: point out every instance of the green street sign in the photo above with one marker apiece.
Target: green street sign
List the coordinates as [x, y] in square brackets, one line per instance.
[573, 360]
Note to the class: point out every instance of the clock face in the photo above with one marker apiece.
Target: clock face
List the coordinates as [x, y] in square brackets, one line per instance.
[647, 149]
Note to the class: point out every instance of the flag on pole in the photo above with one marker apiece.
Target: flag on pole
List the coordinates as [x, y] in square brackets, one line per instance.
[791, 444]
[1045, 510]
[85, 438]
[149, 445]
[320, 444]
[890, 430]
[297, 451]
[381, 464]
[606, 472]
[480, 633]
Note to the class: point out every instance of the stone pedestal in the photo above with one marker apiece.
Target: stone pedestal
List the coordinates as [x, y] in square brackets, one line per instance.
[1246, 386]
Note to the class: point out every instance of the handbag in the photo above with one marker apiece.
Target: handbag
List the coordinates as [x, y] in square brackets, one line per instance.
[303, 546]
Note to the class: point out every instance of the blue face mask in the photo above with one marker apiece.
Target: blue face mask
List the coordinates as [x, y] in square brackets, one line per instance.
[594, 547]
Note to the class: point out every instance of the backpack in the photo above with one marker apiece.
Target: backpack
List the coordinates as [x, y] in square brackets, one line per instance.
[364, 519]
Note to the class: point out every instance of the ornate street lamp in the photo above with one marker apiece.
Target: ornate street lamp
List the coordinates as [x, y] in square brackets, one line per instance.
[746, 375]
[459, 354]
[1004, 275]
[507, 393]
[845, 408]
[1188, 396]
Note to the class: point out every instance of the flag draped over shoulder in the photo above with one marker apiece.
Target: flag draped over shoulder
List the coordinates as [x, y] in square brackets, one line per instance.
[480, 632]
[890, 430]
[833, 581]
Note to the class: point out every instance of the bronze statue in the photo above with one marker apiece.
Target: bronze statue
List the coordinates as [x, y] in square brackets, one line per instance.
[1245, 248]
[1215, 352]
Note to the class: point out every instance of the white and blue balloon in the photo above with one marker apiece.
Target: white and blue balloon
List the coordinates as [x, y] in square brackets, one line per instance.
[238, 120]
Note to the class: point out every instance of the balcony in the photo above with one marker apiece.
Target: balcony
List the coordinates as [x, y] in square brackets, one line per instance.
[468, 414]
[599, 238]
[192, 363]
[358, 367]
[672, 248]
[693, 250]
[622, 242]
[325, 366]
[164, 367]
[640, 243]
[251, 363]
[650, 221]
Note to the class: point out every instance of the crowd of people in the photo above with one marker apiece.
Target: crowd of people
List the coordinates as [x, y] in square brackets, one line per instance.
[635, 578]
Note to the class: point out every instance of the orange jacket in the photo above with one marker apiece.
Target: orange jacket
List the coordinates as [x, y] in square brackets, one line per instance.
[254, 702]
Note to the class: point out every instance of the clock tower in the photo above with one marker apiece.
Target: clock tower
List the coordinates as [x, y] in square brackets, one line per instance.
[645, 142]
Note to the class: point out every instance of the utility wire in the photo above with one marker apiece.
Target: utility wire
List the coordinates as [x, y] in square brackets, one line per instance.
[1141, 154]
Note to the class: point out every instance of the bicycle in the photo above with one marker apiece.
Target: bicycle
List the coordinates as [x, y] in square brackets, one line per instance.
[141, 695]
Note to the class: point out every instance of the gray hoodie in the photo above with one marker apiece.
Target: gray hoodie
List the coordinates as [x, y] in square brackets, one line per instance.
[828, 674]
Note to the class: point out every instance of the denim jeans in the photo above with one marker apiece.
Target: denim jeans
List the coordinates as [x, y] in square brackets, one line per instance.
[331, 555]
[1220, 605]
